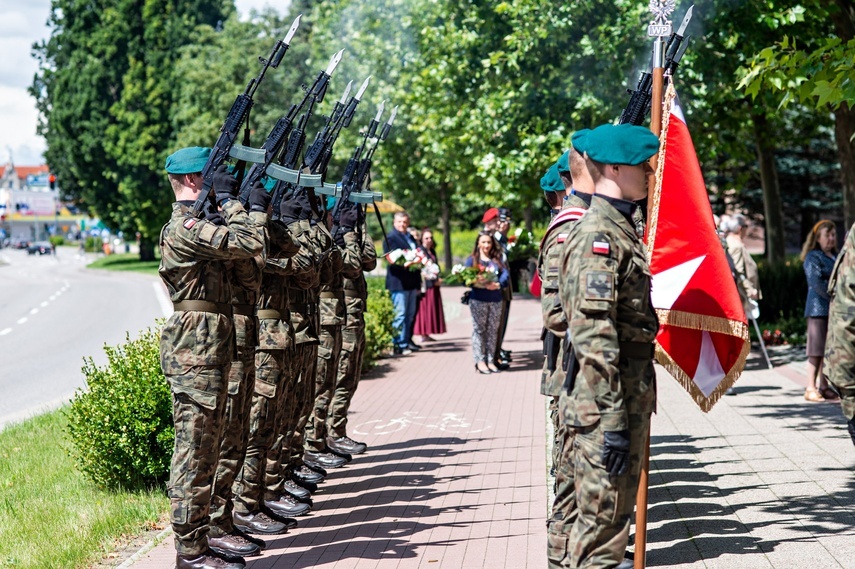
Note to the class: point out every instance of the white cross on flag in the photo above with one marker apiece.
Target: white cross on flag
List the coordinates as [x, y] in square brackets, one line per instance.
[703, 335]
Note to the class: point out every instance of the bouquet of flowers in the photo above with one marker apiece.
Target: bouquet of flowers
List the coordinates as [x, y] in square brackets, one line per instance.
[521, 245]
[412, 259]
[430, 272]
[468, 276]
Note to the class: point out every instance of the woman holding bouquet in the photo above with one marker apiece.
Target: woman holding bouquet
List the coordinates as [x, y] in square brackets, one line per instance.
[485, 300]
[429, 317]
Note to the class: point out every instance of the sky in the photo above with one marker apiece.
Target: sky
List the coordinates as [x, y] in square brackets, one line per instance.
[21, 25]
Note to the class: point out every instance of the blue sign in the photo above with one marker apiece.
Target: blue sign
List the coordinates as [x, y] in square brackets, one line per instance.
[38, 180]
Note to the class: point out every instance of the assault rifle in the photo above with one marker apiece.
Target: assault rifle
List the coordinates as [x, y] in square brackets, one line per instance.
[639, 101]
[284, 173]
[225, 145]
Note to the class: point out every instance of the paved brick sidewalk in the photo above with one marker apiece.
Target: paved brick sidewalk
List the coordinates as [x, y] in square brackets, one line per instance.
[455, 476]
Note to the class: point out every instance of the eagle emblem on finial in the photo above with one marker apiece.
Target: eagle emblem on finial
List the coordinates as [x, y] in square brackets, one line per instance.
[661, 9]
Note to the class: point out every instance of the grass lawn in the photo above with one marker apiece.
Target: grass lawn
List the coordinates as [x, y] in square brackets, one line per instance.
[50, 515]
[125, 262]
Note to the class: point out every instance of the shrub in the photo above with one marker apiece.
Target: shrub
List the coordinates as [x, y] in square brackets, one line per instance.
[121, 426]
[784, 288]
[93, 245]
[57, 240]
[379, 313]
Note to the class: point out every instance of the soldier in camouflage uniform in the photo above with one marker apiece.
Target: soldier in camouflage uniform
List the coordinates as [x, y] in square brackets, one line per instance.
[568, 204]
[333, 316]
[352, 350]
[245, 277]
[197, 344]
[605, 294]
[270, 392]
[840, 345]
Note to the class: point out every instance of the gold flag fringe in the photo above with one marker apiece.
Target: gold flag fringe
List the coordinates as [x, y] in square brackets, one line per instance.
[670, 95]
[703, 322]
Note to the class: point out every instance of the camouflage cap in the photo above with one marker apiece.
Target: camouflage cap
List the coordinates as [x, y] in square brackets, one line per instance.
[551, 181]
[187, 160]
[619, 144]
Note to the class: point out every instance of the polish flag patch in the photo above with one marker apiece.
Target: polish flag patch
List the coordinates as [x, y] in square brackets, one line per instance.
[600, 248]
[562, 237]
[190, 223]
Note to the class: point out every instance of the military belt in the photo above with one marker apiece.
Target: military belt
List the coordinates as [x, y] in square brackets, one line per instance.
[203, 306]
[636, 350]
[304, 308]
[352, 294]
[272, 313]
[326, 294]
[243, 309]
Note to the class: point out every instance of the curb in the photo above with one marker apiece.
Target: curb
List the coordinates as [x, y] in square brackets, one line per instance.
[146, 548]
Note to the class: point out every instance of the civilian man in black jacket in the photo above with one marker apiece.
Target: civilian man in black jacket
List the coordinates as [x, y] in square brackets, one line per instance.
[403, 285]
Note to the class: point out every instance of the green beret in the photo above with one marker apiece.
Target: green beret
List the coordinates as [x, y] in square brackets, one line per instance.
[551, 181]
[578, 140]
[187, 160]
[564, 163]
[620, 144]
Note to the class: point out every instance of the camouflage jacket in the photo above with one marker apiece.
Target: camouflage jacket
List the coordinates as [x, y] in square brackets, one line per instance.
[192, 265]
[283, 261]
[840, 344]
[548, 268]
[245, 278]
[605, 293]
[333, 309]
[304, 292]
[356, 287]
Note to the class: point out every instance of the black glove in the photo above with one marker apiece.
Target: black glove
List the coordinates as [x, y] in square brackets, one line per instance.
[852, 429]
[295, 208]
[349, 216]
[225, 184]
[616, 452]
[211, 213]
[338, 235]
[259, 198]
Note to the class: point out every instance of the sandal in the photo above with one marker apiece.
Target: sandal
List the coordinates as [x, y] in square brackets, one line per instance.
[829, 394]
[813, 396]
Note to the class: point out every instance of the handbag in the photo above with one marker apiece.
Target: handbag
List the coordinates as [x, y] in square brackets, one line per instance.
[464, 298]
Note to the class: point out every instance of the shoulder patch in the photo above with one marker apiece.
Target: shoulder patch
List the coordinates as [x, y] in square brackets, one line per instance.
[562, 237]
[599, 285]
[189, 223]
[601, 248]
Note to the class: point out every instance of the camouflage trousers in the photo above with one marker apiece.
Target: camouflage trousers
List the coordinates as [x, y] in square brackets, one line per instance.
[198, 405]
[269, 389]
[348, 372]
[564, 511]
[600, 533]
[234, 439]
[329, 348]
[274, 481]
[304, 391]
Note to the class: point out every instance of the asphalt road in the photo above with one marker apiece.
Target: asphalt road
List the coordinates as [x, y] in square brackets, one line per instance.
[53, 313]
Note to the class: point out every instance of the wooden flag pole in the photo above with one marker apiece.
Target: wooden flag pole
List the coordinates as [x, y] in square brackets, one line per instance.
[640, 552]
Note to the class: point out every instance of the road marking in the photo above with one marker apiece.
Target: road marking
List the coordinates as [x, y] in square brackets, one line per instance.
[5, 331]
[162, 299]
[22, 320]
[52, 297]
[43, 304]
[34, 311]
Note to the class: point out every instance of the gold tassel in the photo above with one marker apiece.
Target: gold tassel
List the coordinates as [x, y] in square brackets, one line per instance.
[692, 321]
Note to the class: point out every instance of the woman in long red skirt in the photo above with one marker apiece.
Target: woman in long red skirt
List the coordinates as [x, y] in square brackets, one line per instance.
[430, 318]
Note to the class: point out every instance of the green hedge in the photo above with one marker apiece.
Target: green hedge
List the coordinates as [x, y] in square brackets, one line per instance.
[121, 425]
[379, 314]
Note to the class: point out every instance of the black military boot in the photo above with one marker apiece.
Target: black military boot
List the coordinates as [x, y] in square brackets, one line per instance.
[298, 492]
[345, 445]
[287, 507]
[323, 459]
[304, 474]
[259, 523]
[233, 544]
[207, 560]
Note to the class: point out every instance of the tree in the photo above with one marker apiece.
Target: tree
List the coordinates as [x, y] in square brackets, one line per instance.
[105, 93]
[815, 68]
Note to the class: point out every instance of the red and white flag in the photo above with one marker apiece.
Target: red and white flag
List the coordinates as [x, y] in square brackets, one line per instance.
[703, 336]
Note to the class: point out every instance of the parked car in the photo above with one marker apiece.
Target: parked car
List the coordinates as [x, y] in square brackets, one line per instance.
[20, 243]
[40, 247]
